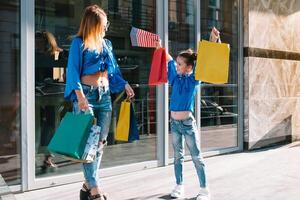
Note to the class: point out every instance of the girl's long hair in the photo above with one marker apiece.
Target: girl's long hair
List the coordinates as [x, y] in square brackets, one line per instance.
[91, 28]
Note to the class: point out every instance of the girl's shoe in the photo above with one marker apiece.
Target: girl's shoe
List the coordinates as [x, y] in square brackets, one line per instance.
[203, 194]
[177, 192]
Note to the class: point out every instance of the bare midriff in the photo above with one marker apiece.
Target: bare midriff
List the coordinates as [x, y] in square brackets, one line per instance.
[98, 79]
[180, 115]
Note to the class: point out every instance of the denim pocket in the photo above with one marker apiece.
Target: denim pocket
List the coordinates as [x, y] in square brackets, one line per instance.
[171, 123]
[87, 92]
[188, 122]
[76, 109]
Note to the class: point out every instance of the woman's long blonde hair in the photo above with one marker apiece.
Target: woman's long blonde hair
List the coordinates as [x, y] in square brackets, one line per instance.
[91, 28]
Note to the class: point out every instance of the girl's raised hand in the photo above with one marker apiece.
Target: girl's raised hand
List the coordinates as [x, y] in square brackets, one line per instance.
[214, 35]
[158, 44]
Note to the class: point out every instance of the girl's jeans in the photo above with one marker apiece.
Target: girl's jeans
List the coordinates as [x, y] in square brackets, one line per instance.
[187, 130]
[100, 106]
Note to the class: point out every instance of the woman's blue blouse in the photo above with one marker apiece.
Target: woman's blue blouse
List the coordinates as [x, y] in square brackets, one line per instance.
[84, 62]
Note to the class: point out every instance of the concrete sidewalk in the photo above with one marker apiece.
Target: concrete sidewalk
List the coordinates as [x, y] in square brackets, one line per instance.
[5, 193]
[270, 174]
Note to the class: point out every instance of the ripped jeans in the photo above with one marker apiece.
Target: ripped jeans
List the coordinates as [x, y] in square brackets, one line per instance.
[100, 107]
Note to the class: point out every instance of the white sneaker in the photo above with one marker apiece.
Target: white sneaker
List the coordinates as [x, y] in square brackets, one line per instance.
[203, 194]
[178, 191]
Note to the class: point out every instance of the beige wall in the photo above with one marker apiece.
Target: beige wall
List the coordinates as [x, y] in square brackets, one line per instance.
[272, 86]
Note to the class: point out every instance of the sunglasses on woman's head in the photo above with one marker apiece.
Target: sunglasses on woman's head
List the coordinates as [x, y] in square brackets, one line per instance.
[107, 25]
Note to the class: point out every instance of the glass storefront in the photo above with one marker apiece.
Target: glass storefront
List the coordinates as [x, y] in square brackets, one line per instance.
[219, 113]
[182, 29]
[55, 23]
[58, 21]
[219, 103]
[10, 168]
[181, 26]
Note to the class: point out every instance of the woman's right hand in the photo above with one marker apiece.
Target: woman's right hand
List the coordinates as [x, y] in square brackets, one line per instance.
[83, 103]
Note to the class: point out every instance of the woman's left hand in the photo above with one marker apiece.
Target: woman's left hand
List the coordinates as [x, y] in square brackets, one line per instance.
[129, 91]
[214, 35]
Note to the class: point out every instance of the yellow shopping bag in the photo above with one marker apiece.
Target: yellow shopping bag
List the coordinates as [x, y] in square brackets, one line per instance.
[212, 62]
[122, 131]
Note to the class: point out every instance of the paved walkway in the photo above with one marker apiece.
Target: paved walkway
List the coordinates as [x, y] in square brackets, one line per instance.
[5, 193]
[270, 174]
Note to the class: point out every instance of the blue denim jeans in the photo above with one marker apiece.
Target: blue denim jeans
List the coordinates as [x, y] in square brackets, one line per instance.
[187, 130]
[100, 106]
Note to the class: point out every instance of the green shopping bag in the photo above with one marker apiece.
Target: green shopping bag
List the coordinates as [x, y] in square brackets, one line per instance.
[71, 136]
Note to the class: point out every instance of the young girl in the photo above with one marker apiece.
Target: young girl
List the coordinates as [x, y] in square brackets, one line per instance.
[183, 125]
[93, 73]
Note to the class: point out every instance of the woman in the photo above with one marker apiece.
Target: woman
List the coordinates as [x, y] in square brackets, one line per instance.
[92, 74]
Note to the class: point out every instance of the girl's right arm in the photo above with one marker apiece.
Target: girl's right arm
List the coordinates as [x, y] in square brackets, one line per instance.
[168, 56]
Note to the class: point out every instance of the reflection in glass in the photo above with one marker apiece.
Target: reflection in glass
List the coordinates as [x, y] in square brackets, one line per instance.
[55, 24]
[181, 26]
[218, 102]
[181, 35]
[10, 92]
[219, 108]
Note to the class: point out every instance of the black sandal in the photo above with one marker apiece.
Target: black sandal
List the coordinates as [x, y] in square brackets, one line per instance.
[96, 196]
[84, 195]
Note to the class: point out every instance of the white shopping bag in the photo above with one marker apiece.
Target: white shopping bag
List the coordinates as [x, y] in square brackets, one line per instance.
[92, 144]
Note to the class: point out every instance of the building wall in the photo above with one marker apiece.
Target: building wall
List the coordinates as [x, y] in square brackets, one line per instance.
[271, 72]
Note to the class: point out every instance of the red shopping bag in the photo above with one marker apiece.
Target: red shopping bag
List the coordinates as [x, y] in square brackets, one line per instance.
[158, 72]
